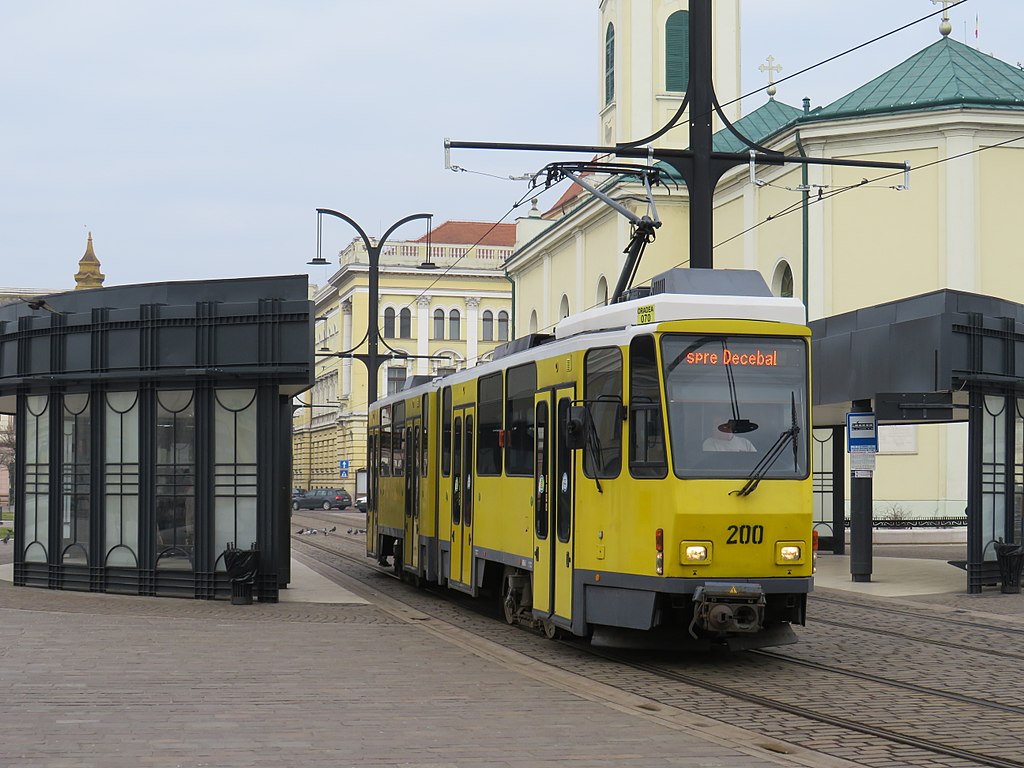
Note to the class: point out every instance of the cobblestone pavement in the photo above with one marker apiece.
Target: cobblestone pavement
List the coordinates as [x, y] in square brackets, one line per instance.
[110, 681]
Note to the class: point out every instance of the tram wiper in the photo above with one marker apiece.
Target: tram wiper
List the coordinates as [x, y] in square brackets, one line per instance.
[771, 456]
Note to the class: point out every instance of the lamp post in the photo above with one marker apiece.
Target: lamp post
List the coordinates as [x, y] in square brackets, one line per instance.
[371, 359]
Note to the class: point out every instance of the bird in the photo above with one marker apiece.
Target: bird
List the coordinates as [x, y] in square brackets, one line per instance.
[324, 531]
[333, 529]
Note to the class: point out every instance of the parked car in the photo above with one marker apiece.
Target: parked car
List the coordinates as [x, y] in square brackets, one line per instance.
[323, 498]
[361, 504]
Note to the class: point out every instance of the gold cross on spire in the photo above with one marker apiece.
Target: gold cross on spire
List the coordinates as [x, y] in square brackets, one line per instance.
[944, 26]
[771, 68]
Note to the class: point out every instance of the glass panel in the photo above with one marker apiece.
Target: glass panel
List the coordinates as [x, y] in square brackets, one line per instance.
[1018, 474]
[563, 475]
[646, 433]
[234, 472]
[734, 400]
[993, 473]
[457, 474]
[425, 451]
[405, 324]
[121, 479]
[175, 479]
[398, 442]
[37, 479]
[540, 472]
[522, 384]
[454, 324]
[503, 326]
[467, 485]
[446, 431]
[488, 326]
[76, 466]
[488, 460]
[602, 390]
[385, 441]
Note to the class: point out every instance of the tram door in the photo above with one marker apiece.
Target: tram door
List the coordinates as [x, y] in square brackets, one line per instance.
[553, 506]
[463, 490]
[410, 542]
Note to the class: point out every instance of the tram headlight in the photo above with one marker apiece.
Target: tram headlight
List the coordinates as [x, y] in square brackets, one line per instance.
[789, 552]
[695, 552]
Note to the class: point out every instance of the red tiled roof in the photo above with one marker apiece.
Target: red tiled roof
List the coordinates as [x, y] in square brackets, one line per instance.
[470, 232]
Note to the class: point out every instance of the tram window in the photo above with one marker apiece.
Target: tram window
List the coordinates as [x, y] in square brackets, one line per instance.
[602, 390]
[540, 472]
[424, 451]
[446, 431]
[489, 408]
[522, 384]
[646, 431]
[385, 441]
[374, 461]
[457, 474]
[467, 475]
[398, 442]
[563, 475]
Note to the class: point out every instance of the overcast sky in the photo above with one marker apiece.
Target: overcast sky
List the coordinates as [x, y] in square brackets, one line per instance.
[196, 138]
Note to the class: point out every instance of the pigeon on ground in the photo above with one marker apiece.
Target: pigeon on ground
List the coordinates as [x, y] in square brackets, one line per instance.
[333, 529]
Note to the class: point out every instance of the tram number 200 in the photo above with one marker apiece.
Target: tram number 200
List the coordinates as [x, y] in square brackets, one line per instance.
[745, 534]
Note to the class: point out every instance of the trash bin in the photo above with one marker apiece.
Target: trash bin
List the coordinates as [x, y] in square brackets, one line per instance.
[1010, 558]
[241, 565]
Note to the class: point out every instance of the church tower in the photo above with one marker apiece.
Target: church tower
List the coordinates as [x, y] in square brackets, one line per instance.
[645, 66]
[89, 275]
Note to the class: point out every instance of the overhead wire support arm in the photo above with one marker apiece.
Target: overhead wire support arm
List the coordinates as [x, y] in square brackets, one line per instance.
[699, 166]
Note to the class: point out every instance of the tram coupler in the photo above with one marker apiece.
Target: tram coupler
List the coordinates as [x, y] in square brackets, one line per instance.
[721, 606]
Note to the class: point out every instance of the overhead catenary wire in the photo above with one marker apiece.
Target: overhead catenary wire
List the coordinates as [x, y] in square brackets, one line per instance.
[830, 59]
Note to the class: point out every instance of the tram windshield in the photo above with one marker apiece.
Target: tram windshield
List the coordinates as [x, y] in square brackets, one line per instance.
[737, 405]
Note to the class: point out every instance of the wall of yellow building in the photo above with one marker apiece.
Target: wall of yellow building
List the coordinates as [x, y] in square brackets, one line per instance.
[318, 450]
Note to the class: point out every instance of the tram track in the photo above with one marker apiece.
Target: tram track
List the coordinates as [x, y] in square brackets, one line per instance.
[900, 738]
[886, 734]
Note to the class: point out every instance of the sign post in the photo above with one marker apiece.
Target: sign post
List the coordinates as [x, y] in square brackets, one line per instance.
[862, 445]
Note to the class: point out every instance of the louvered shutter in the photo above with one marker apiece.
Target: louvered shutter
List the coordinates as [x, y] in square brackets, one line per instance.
[677, 51]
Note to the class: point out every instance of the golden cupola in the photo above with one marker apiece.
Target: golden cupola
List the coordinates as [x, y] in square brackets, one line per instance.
[89, 275]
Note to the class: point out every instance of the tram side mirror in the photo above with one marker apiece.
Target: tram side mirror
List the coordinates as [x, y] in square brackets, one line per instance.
[576, 427]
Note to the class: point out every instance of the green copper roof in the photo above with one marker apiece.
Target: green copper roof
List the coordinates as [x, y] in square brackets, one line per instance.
[945, 74]
[758, 126]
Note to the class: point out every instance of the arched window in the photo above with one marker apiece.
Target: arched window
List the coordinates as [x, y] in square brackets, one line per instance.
[782, 280]
[438, 323]
[563, 307]
[503, 326]
[533, 321]
[609, 65]
[602, 292]
[389, 323]
[488, 334]
[454, 321]
[405, 324]
[677, 51]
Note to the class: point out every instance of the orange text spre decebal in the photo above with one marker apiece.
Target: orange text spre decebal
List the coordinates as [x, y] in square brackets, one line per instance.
[757, 358]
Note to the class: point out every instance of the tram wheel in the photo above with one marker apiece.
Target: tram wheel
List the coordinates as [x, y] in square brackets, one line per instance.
[509, 604]
[397, 558]
[550, 630]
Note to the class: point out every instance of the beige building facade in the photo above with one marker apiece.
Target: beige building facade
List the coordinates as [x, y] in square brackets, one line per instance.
[861, 237]
[444, 304]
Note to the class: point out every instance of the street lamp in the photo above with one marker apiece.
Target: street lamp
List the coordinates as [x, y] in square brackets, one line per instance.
[371, 359]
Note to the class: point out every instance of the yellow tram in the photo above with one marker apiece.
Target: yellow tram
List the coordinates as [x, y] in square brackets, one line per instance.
[645, 468]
